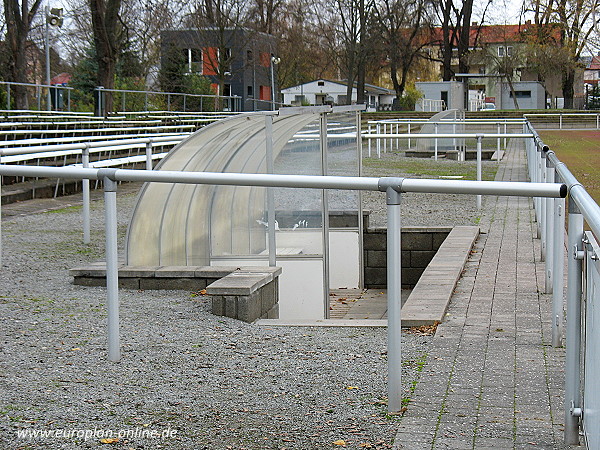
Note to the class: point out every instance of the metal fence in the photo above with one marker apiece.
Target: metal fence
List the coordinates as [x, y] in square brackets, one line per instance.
[392, 187]
[582, 364]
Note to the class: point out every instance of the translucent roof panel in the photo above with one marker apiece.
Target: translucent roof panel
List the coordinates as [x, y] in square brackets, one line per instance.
[179, 224]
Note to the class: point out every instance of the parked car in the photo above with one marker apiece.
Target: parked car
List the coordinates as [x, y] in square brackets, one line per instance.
[489, 106]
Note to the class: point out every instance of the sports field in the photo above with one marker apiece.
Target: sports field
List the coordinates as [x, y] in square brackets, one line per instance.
[580, 151]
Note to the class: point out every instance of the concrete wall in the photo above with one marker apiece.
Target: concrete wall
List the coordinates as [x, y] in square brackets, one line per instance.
[419, 245]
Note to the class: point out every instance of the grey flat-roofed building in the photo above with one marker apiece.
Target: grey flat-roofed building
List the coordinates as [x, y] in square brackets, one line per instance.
[245, 70]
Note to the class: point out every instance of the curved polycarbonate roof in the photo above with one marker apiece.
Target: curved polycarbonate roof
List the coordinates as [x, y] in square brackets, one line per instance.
[174, 224]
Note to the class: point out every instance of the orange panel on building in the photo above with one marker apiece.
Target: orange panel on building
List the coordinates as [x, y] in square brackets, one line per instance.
[265, 59]
[210, 60]
[265, 93]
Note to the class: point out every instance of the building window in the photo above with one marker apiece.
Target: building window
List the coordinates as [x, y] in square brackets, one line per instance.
[250, 91]
[226, 61]
[521, 94]
[320, 83]
[195, 65]
[249, 55]
[300, 100]
[505, 51]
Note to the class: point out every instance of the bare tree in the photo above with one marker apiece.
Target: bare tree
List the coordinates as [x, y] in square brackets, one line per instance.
[107, 39]
[457, 33]
[577, 23]
[405, 26]
[19, 19]
[346, 29]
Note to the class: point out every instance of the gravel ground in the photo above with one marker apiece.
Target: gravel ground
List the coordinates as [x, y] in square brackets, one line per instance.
[421, 209]
[205, 381]
[210, 382]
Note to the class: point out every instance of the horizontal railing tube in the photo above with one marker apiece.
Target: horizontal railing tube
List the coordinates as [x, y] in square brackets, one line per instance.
[301, 181]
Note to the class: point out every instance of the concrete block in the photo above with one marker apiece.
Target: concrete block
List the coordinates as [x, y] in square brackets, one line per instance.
[230, 306]
[416, 241]
[375, 239]
[249, 307]
[215, 272]
[438, 238]
[218, 305]
[419, 258]
[411, 275]
[273, 312]
[269, 296]
[375, 277]
[124, 283]
[89, 281]
[138, 271]
[176, 271]
[238, 284]
[376, 258]
[183, 284]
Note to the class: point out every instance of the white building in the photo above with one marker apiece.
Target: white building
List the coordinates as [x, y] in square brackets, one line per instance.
[326, 92]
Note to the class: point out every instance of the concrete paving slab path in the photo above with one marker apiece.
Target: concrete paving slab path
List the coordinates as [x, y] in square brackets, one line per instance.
[493, 380]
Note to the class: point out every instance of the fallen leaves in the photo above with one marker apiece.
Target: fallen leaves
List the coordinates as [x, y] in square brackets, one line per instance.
[340, 442]
[424, 330]
[109, 440]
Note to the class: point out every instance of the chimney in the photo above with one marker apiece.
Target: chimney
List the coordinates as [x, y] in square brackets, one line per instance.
[473, 24]
[528, 22]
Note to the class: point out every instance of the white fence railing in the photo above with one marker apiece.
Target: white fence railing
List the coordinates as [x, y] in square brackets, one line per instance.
[582, 363]
[392, 187]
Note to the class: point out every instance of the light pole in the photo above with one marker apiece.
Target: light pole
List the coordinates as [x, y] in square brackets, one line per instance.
[274, 60]
[54, 18]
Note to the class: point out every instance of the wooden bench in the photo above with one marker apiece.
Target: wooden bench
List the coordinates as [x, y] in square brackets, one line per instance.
[428, 301]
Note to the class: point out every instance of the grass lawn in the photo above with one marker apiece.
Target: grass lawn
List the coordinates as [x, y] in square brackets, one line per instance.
[427, 167]
[580, 151]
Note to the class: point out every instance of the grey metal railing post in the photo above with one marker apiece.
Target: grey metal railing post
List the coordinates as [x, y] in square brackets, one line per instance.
[378, 141]
[324, 144]
[560, 121]
[69, 100]
[385, 139]
[498, 143]
[8, 96]
[85, 188]
[0, 216]
[184, 102]
[394, 299]
[168, 102]
[542, 217]
[409, 135]
[479, 141]
[549, 224]
[370, 125]
[436, 142]
[112, 267]
[573, 332]
[558, 253]
[149, 154]
[505, 129]
[146, 101]
[270, 192]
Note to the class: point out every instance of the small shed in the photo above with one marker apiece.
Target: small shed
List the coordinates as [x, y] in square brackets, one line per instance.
[327, 92]
[451, 93]
[529, 94]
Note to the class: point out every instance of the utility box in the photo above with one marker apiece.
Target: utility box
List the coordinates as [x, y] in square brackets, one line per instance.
[452, 93]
